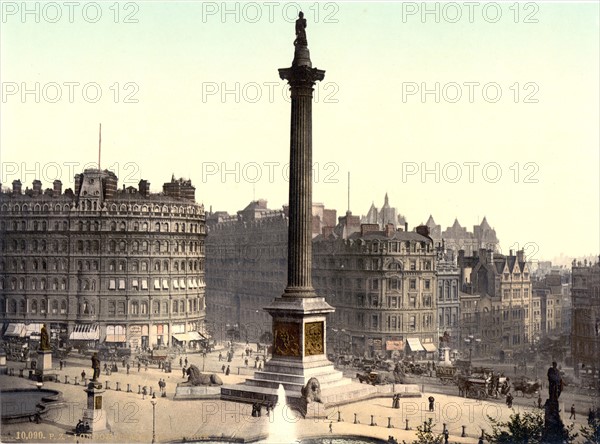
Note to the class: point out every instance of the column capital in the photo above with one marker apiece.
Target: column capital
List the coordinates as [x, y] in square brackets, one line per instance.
[301, 75]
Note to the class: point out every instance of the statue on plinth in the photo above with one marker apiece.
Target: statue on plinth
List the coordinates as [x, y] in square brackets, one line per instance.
[555, 382]
[95, 366]
[44, 339]
[301, 31]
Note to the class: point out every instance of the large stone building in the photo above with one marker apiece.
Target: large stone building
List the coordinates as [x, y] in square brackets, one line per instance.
[503, 316]
[382, 284]
[99, 264]
[245, 270]
[585, 340]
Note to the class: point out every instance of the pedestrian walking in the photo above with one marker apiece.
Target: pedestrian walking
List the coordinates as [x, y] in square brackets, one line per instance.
[180, 362]
[186, 361]
[223, 368]
[128, 368]
[331, 427]
[220, 356]
[246, 362]
[446, 435]
[146, 366]
[539, 401]
[164, 389]
[144, 392]
[183, 369]
[139, 366]
[509, 400]
[82, 375]
[431, 400]
[227, 371]
[572, 412]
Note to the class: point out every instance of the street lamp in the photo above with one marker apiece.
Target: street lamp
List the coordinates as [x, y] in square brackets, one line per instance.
[153, 401]
[469, 340]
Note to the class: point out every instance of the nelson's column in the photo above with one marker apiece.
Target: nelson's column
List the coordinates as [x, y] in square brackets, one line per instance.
[299, 315]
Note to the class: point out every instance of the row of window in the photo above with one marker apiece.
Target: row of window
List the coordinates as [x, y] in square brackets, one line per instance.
[58, 208]
[114, 307]
[42, 225]
[93, 265]
[159, 284]
[396, 322]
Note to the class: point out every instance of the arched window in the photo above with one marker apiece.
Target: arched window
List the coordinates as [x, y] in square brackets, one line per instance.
[54, 307]
[63, 307]
[34, 306]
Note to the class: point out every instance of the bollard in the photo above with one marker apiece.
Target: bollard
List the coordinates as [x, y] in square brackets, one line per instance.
[128, 388]
[107, 385]
[444, 430]
[407, 425]
[139, 389]
[150, 391]
[118, 386]
[463, 434]
[66, 379]
[355, 420]
[389, 422]
[75, 381]
[372, 421]
[339, 416]
[20, 373]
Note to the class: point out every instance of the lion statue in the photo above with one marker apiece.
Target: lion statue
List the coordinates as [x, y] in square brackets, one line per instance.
[195, 377]
[311, 392]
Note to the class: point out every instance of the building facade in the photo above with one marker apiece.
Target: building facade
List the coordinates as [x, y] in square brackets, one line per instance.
[382, 285]
[457, 238]
[448, 303]
[103, 265]
[585, 339]
[504, 315]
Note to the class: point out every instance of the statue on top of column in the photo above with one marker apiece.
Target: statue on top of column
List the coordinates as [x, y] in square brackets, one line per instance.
[44, 339]
[300, 31]
[555, 382]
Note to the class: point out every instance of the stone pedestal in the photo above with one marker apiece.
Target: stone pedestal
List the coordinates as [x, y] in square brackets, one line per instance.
[43, 366]
[95, 415]
[554, 429]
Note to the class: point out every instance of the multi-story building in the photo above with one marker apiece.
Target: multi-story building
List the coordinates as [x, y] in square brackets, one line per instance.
[458, 238]
[99, 264]
[585, 339]
[246, 269]
[382, 284]
[505, 323]
[448, 303]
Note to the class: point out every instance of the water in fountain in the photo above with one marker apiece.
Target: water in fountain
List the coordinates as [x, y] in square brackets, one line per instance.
[282, 423]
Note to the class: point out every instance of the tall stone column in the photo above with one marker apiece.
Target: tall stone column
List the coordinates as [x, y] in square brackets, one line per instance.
[302, 78]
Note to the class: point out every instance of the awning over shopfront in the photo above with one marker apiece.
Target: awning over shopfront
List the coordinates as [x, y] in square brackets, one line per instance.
[189, 336]
[394, 345]
[415, 344]
[16, 330]
[33, 330]
[85, 332]
[429, 347]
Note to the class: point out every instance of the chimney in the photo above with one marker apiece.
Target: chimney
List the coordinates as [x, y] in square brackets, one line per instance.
[406, 226]
[510, 253]
[389, 230]
[423, 230]
[521, 256]
[144, 187]
[368, 228]
[37, 187]
[327, 231]
[16, 186]
[57, 186]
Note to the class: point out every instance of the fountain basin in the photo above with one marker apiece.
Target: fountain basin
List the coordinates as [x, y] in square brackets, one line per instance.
[22, 405]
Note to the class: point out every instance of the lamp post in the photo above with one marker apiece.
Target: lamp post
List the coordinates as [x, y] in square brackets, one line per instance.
[153, 401]
[469, 340]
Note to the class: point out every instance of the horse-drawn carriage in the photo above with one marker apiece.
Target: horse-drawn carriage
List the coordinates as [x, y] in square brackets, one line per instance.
[446, 373]
[526, 387]
[473, 387]
[380, 378]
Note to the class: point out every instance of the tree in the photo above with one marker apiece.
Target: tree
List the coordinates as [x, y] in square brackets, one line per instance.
[426, 436]
[591, 432]
[526, 428]
[523, 428]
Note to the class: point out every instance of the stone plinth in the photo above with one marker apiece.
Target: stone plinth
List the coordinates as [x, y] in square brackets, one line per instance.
[183, 391]
[554, 429]
[43, 366]
[94, 414]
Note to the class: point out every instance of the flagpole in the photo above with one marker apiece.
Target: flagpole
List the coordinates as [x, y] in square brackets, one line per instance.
[99, 145]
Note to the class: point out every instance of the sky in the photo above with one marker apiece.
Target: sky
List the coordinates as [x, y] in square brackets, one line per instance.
[458, 110]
